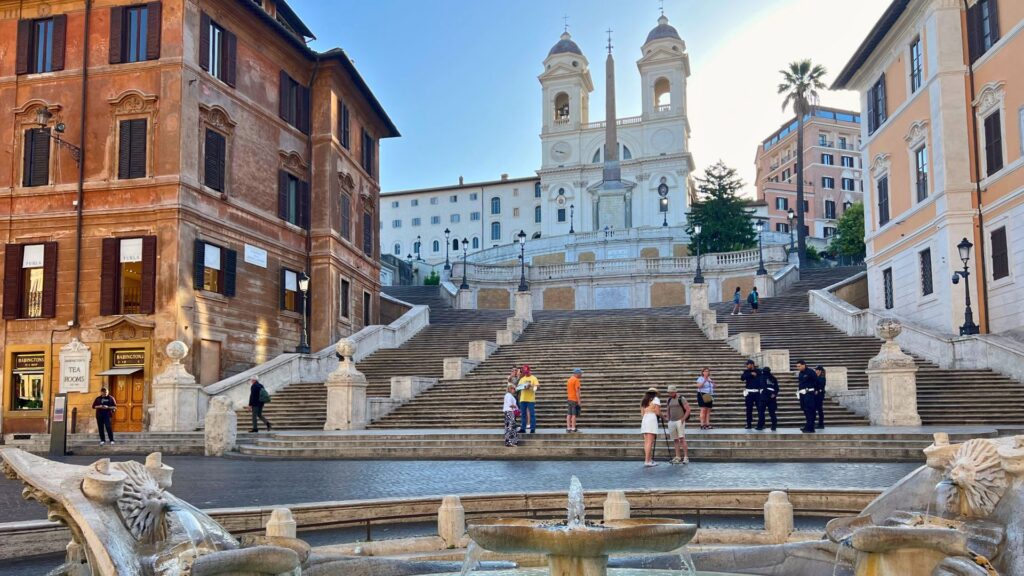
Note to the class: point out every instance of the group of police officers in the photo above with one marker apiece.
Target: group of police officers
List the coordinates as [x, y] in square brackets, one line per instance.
[761, 390]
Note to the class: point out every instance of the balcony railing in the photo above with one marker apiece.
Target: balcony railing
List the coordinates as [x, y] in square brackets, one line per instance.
[664, 108]
[619, 122]
[562, 121]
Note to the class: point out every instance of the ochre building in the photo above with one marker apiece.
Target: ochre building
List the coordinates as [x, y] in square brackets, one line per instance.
[173, 171]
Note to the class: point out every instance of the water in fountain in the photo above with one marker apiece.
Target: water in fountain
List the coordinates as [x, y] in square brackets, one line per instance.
[686, 563]
[577, 512]
[473, 554]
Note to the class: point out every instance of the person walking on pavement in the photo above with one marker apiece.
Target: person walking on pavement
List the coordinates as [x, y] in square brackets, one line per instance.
[736, 302]
[751, 378]
[677, 413]
[819, 396]
[258, 397]
[650, 411]
[769, 398]
[510, 410]
[105, 406]
[705, 397]
[807, 383]
[528, 385]
[572, 391]
[753, 299]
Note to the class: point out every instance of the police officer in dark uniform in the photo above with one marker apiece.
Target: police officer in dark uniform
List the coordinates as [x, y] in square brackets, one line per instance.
[807, 384]
[769, 398]
[819, 396]
[751, 378]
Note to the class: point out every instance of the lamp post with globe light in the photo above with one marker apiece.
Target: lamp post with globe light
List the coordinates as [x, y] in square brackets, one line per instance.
[303, 347]
[447, 263]
[969, 327]
[760, 248]
[698, 278]
[523, 286]
[791, 216]
[465, 248]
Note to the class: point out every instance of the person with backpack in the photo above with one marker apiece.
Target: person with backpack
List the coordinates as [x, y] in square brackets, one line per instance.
[736, 302]
[258, 397]
[751, 378]
[677, 413]
[769, 398]
[753, 299]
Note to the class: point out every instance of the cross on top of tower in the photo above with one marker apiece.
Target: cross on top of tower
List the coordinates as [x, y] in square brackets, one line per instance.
[565, 18]
[609, 31]
[661, 6]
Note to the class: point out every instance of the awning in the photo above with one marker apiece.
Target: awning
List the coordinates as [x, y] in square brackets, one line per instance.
[121, 371]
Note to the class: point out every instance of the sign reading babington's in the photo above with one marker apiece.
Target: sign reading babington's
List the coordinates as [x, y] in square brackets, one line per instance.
[133, 357]
[74, 367]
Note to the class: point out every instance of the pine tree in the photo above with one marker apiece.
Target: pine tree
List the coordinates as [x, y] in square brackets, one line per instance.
[721, 212]
[849, 238]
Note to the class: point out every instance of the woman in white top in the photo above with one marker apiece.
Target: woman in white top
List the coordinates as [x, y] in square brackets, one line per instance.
[650, 409]
[510, 409]
[705, 397]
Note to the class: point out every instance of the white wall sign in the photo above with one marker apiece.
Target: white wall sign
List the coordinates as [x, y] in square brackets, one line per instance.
[32, 256]
[75, 358]
[256, 256]
[131, 250]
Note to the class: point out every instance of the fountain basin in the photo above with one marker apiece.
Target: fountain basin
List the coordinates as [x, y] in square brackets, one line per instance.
[515, 535]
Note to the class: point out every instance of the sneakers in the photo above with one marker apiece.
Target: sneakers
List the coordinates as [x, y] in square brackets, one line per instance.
[102, 442]
[686, 460]
[675, 460]
[112, 442]
[650, 464]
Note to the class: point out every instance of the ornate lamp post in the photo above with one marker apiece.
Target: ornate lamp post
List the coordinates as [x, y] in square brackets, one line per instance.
[418, 246]
[698, 278]
[43, 117]
[303, 347]
[663, 193]
[791, 215]
[760, 248]
[465, 248]
[523, 286]
[447, 263]
[969, 327]
[572, 210]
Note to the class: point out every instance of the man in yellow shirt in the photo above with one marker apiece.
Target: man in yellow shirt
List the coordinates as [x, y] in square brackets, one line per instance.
[572, 391]
[527, 398]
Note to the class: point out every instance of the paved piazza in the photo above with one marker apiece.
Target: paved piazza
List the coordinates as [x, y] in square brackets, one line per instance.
[216, 483]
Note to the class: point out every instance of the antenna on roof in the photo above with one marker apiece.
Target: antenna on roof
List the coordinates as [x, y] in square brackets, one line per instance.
[609, 31]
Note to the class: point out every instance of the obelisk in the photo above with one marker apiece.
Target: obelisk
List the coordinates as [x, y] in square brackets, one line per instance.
[612, 206]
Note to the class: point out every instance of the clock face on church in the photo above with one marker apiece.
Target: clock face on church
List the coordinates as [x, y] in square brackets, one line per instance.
[560, 151]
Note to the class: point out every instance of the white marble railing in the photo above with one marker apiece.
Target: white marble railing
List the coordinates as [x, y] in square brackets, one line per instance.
[620, 122]
[785, 278]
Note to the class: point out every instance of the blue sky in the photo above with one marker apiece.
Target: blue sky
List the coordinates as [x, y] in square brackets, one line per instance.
[459, 77]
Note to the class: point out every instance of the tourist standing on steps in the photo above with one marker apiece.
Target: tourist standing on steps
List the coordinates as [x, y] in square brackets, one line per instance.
[705, 397]
[751, 378]
[677, 413]
[513, 378]
[807, 384]
[754, 299]
[769, 398]
[736, 302]
[258, 396]
[650, 410]
[510, 410]
[819, 396]
[572, 391]
[527, 399]
[105, 406]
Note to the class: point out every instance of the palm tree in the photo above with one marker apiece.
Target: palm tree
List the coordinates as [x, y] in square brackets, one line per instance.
[800, 84]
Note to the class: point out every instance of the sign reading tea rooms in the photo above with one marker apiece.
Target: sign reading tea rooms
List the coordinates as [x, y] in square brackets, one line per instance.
[74, 367]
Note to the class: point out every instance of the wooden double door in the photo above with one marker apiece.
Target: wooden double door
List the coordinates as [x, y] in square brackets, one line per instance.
[129, 391]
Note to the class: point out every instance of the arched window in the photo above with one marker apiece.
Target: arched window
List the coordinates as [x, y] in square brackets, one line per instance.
[495, 230]
[536, 235]
[624, 154]
[536, 189]
[536, 213]
[476, 243]
[662, 94]
[398, 249]
[416, 247]
[455, 244]
[436, 246]
[495, 205]
[561, 108]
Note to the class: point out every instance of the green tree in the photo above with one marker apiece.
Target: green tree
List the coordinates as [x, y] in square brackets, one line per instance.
[432, 280]
[849, 238]
[721, 212]
[800, 83]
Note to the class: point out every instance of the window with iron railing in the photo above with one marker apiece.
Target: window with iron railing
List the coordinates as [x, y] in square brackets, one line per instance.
[887, 288]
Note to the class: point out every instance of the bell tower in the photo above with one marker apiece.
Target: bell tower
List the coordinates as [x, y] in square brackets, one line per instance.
[664, 68]
[565, 86]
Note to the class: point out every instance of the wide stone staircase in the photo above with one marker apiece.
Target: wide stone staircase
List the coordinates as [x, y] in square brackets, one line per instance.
[425, 295]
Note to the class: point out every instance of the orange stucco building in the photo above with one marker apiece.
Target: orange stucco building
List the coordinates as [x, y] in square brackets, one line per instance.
[942, 93]
[171, 171]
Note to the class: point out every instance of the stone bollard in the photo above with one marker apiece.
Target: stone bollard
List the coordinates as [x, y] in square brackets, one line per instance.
[464, 300]
[516, 324]
[175, 395]
[892, 381]
[524, 306]
[778, 516]
[716, 331]
[506, 337]
[704, 317]
[777, 360]
[451, 521]
[616, 507]
[765, 285]
[836, 380]
[221, 431]
[480, 350]
[346, 392]
[698, 298]
[281, 523]
[457, 368]
[746, 343]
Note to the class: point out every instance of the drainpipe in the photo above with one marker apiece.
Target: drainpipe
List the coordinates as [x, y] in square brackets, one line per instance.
[83, 115]
[979, 255]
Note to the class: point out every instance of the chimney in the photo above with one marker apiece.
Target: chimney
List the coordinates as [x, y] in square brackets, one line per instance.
[460, 180]
[504, 176]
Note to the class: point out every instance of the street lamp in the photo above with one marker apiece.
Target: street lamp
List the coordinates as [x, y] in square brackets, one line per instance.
[523, 286]
[698, 278]
[418, 246]
[572, 211]
[447, 263]
[969, 327]
[664, 211]
[791, 215]
[303, 347]
[43, 117]
[465, 247]
[760, 248]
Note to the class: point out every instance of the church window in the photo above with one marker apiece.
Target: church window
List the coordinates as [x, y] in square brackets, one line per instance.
[662, 94]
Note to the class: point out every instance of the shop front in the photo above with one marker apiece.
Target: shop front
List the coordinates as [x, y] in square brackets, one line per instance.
[26, 393]
[126, 381]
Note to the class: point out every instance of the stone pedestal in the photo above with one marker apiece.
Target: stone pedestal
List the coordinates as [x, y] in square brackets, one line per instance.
[892, 382]
[777, 360]
[746, 343]
[524, 306]
[281, 523]
[346, 392]
[836, 380]
[506, 337]
[408, 387]
[716, 331]
[705, 317]
[616, 507]
[221, 431]
[698, 298]
[451, 521]
[778, 516]
[457, 368]
[765, 285]
[160, 472]
[480, 350]
[516, 324]
[175, 395]
[464, 300]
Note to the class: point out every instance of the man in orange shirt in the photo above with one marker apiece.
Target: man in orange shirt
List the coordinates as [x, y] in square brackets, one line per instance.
[572, 390]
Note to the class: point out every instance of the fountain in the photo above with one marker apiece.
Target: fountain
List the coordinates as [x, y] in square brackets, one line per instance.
[576, 547]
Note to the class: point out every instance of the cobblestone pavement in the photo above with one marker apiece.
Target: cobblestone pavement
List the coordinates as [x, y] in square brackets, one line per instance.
[218, 482]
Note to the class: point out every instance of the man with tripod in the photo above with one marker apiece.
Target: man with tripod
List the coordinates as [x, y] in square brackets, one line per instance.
[676, 414]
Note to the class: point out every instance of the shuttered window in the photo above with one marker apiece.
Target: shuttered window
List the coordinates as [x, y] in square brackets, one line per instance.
[346, 217]
[993, 143]
[213, 268]
[344, 296]
[214, 160]
[876, 105]
[293, 104]
[925, 258]
[289, 290]
[882, 187]
[982, 28]
[367, 312]
[30, 280]
[128, 276]
[41, 45]
[135, 33]
[293, 199]
[131, 156]
[368, 231]
[344, 132]
[921, 173]
[369, 149]
[36, 171]
[218, 49]
[1000, 254]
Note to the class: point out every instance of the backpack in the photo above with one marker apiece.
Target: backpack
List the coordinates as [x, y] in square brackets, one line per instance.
[264, 396]
[752, 298]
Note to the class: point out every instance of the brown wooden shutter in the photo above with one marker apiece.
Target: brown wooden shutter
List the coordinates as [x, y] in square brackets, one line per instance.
[204, 41]
[973, 33]
[137, 151]
[282, 194]
[147, 303]
[883, 105]
[230, 258]
[281, 291]
[116, 30]
[60, 33]
[303, 205]
[214, 152]
[993, 16]
[284, 96]
[303, 110]
[49, 279]
[124, 144]
[24, 46]
[109, 268]
[12, 280]
[229, 57]
[198, 264]
[37, 157]
[153, 24]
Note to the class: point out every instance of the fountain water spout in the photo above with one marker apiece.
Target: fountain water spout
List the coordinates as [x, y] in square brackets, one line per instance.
[577, 509]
